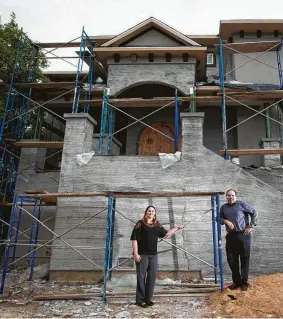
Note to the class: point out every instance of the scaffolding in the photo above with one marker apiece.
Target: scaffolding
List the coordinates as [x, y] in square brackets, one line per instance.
[14, 123]
[36, 200]
[263, 48]
[17, 110]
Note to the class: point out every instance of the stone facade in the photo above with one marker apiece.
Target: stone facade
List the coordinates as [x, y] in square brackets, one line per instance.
[121, 77]
[198, 170]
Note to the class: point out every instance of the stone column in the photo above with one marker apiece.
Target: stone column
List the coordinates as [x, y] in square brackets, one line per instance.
[271, 160]
[77, 140]
[78, 134]
[192, 130]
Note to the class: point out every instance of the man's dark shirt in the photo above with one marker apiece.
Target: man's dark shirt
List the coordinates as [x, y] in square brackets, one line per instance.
[238, 214]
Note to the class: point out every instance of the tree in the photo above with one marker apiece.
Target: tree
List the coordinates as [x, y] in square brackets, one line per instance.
[10, 33]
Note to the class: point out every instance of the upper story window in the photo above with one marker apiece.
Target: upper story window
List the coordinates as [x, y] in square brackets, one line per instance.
[210, 59]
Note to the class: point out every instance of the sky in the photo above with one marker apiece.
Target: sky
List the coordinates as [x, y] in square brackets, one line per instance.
[62, 20]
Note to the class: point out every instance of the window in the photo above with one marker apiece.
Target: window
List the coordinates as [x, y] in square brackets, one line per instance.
[210, 59]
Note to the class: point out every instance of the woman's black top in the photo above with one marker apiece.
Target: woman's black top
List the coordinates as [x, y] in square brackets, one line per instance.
[147, 236]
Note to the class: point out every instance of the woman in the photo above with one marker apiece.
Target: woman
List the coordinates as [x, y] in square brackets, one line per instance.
[144, 242]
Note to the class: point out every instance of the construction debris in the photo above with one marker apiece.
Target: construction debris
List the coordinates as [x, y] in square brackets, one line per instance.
[263, 299]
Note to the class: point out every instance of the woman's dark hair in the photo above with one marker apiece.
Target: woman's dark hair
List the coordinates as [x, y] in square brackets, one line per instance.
[231, 189]
[154, 221]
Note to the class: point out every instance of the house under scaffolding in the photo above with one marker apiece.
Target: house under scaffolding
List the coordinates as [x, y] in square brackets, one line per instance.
[151, 90]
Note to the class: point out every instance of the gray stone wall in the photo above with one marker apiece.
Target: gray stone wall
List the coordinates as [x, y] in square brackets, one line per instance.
[198, 170]
[31, 179]
[121, 77]
[271, 176]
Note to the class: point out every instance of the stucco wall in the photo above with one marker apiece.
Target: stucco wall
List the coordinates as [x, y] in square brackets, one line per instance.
[254, 71]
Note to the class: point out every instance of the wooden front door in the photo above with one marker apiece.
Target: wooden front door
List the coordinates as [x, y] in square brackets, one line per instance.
[151, 142]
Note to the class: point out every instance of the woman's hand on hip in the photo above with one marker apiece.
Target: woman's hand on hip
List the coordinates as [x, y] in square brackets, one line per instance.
[137, 258]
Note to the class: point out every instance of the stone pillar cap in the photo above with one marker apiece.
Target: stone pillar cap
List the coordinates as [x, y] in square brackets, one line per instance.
[269, 140]
[80, 116]
[190, 114]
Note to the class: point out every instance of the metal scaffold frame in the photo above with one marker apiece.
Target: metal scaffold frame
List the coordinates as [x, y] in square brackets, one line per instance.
[33, 245]
[16, 131]
[14, 232]
[14, 120]
[225, 96]
[17, 109]
[86, 51]
[108, 121]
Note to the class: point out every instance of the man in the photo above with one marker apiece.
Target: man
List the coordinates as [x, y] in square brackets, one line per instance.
[239, 219]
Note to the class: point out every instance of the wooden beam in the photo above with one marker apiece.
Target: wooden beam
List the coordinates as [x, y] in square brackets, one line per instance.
[26, 204]
[38, 144]
[45, 85]
[247, 152]
[126, 194]
[161, 101]
[250, 47]
[81, 296]
[85, 296]
[59, 44]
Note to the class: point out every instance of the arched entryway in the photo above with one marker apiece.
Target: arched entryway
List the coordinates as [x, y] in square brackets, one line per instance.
[151, 142]
[139, 139]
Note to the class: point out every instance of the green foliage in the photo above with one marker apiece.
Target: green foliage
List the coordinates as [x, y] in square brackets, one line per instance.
[29, 57]
[10, 33]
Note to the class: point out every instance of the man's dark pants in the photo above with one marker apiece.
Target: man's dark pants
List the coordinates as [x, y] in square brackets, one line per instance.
[238, 248]
[146, 276]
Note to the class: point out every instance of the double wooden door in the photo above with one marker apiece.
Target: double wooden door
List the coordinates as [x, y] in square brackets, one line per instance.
[151, 142]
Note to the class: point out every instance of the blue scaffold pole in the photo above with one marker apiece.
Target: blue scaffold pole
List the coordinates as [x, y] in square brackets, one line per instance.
[213, 220]
[176, 127]
[110, 130]
[112, 236]
[16, 222]
[222, 86]
[278, 55]
[90, 73]
[219, 240]
[280, 105]
[107, 246]
[79, 69]
[38, 205]
[103, 121]
[31, 232]
[7, 249]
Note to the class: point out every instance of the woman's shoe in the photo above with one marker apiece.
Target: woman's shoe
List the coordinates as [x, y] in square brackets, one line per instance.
[150, 303]
[143, 305]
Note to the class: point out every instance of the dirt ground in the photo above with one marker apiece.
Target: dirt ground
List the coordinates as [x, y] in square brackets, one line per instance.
[263, 299]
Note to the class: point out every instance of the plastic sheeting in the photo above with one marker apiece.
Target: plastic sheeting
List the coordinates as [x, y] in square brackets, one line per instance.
[213, 79]
[168, 159]
[84, 158]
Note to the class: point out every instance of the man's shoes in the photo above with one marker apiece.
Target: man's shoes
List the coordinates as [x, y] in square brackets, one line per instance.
[245, 287]
[150, 303]
[234, 286]
[143, 305]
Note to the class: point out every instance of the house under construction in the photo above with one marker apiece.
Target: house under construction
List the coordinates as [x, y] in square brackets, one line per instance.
[160, 118]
